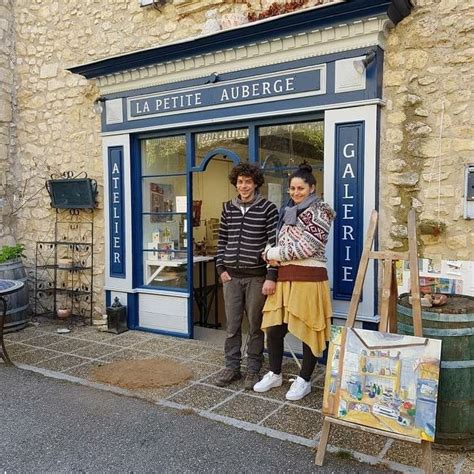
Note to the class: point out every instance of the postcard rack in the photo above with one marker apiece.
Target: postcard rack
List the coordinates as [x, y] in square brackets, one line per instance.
[388, 322]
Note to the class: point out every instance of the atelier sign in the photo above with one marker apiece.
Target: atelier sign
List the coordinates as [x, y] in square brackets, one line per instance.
[349, 206]
[298, 82]
[116, 212]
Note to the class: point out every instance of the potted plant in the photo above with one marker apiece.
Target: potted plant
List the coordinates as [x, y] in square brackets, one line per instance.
[11, 268]
[10, 253]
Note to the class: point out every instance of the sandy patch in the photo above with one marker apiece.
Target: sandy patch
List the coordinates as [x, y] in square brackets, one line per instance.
[146, 373]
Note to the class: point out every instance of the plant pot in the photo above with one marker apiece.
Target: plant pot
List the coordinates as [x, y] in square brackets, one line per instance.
[18, 311]
[64, 262]
[64, 313]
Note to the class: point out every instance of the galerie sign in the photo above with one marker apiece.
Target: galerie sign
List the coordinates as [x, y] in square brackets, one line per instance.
[349, 205]
[116, 212]
[290, 84]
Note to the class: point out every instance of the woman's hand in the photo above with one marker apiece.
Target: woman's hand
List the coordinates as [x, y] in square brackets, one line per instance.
[274, 263]
[268, 287]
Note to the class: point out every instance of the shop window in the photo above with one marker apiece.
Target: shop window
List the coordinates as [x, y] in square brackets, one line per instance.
[164, 203]
[236, 141]
[282, 148]
[163, 155]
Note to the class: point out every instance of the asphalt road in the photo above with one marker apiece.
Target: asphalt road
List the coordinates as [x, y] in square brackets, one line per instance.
[48, 425]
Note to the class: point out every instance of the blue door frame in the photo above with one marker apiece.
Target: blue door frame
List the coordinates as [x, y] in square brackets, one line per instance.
[190, 169]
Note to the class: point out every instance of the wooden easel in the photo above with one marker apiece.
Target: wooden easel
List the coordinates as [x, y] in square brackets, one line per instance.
[388, 321]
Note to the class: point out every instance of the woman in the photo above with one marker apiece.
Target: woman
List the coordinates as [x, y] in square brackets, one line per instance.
[301, 303]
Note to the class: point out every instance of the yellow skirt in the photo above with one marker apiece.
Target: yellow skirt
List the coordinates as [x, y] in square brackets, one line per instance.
[306, 307]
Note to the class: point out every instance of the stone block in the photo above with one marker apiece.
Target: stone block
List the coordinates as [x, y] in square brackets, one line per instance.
[457, 241]
[396, 165]
[405, 179]
[48, 70]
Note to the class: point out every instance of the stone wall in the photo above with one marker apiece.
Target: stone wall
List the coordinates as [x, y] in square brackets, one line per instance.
[57, 129]
[427, 64]
[7, 130]
[428, 128]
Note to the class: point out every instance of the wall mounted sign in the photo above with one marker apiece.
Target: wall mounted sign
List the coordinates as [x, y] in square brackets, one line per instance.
[302, 82]
[349, 205]
[116, 212]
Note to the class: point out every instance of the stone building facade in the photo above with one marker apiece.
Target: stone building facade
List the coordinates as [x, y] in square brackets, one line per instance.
[47, 124]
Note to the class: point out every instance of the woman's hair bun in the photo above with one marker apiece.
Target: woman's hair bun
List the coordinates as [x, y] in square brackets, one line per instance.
[305, 166]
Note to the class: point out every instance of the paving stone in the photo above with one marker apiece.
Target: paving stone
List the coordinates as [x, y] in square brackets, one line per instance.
[237, 385]
[212, 356]
[201, 370]
[68, 344]
[131, 338]
[44, 340]
[185, 351]
[84, 371]
[296, 420]
[201, 397]
[156, 394]
[126, 354]
[61, 363]
[155, 345]
[313, 400]
[96, 350]
[247, 408]
[35, 356]
[96, 336]
[15, 348]
[356, 440]
[23, 335]
[408, 453]
[468, 465]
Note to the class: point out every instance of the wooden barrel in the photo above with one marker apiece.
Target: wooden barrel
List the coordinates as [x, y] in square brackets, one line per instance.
[18, 308]
[453, 323]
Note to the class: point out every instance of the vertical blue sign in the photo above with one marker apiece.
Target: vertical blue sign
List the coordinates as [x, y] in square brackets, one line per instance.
[349, 205]
[116, 212]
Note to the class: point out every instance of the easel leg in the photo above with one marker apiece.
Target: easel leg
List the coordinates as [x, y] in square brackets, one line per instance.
[386, 286]
[426, 461]
[323, 441]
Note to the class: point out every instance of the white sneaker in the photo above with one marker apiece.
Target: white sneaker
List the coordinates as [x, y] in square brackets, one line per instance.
[299, 389]
[270, 380]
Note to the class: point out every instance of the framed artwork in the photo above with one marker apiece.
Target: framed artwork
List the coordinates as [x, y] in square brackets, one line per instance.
[161, 201]
[383, 381]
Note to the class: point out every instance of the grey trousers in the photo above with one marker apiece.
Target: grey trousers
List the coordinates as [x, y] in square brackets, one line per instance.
[244, 294]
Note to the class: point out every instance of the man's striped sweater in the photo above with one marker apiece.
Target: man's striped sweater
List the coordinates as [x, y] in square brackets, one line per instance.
[243, 236]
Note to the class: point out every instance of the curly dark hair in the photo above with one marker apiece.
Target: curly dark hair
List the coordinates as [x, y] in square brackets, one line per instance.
[246, 169]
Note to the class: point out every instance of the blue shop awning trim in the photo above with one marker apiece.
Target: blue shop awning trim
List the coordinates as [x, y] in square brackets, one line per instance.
[303, 20]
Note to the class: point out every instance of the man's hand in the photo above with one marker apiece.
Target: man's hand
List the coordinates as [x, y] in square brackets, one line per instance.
[268, 287]
[225, 277]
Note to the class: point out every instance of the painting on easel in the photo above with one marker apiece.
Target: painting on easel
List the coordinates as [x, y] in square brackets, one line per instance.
[384, 381]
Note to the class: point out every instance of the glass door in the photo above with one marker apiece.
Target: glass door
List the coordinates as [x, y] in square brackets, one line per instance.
[164, 207]
[282, 148]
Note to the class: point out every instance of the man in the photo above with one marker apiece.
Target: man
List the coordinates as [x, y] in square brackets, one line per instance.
[247, 226]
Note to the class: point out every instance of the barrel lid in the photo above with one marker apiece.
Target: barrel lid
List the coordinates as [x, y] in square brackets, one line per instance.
[456, 304]
[10, 286]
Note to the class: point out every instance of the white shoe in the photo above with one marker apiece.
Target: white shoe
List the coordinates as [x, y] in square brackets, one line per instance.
[270, 380]
[299, 389]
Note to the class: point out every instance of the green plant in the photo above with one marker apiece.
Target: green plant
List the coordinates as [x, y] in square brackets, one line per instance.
[11, 252]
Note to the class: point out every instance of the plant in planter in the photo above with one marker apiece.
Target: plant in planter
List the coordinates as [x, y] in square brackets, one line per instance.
[10, 253]
[11, 268]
